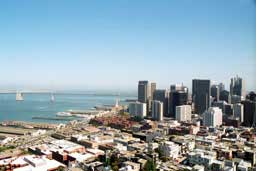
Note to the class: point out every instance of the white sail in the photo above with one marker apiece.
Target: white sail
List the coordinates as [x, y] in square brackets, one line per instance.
[117, 102]
[52, 98]
[19, 96]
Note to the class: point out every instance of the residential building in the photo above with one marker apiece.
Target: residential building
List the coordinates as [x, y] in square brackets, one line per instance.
[212, 117]
[183, 113]
[169, 149]
[138, 109]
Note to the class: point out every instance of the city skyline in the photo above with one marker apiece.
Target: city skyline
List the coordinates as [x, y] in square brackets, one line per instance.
[112, 45]
[125, 85]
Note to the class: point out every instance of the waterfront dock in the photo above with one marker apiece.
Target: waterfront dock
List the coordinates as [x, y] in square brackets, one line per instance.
[14, 131]
[53, 118]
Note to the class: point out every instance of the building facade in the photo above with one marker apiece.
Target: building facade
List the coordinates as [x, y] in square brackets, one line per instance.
[212, 117]
[201, 93]
[215, 92]
[249, 113]
[169, 149]
[163, 96]
[239, 111]
[177, 98]
[143, 91]
[157, 110]
[138, 109]
[237, 86]
[183, 113]
[225, 95]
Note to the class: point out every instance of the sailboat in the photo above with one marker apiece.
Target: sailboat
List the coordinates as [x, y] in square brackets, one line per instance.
[19, 96]
[52, 98]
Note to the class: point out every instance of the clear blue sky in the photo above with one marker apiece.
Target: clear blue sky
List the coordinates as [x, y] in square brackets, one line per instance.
[113, 44]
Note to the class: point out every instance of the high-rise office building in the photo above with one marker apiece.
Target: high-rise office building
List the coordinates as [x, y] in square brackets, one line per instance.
[249, 113]
[215, 92]
[226, 108]
[239, 111]
[220, 104]
[157, 110]
[152, 89]
[236, 99]
[237, 86]
[178, 87]
[212, 117]
[163, 96]
[225, 95]
[138, 109]
[251, 96]
[183, 113]
[221, 87]
[177, 98]
[201, 93]
[143, 91]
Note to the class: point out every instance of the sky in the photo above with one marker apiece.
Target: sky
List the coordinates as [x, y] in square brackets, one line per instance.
[112, 44]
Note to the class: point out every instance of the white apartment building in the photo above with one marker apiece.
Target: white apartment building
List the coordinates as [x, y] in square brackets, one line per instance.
[138, 109]
[170, 149]
[183, 113]
[157, 110]
[212, 117]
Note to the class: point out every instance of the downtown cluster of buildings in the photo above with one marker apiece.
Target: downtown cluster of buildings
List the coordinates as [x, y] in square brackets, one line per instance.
[211, 104]
[211, 129]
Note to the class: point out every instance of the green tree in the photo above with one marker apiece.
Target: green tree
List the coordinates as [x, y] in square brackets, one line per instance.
[114, 161]
[149, 166]
[61, 168]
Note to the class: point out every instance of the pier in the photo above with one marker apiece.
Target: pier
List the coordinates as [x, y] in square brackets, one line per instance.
[53, 118]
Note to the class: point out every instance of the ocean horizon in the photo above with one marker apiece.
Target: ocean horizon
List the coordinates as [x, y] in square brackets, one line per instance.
[40, 104]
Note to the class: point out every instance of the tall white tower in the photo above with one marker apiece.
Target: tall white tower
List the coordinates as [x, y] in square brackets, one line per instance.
[157, 110]
[212, 117]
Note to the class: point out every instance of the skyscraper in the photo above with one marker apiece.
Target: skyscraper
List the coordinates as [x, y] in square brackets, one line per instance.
[157, 110]
[220, 104]
[221, 87]
[176, 98]
[251, 96]
[143, 91]
[236, 99]
[249, 113]
[163, 96]
[212, 117]
[201, 93]
[178, 87]
[215, 92]
[225, 95]
[237, 86]
[239, 111]
[152, 89]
